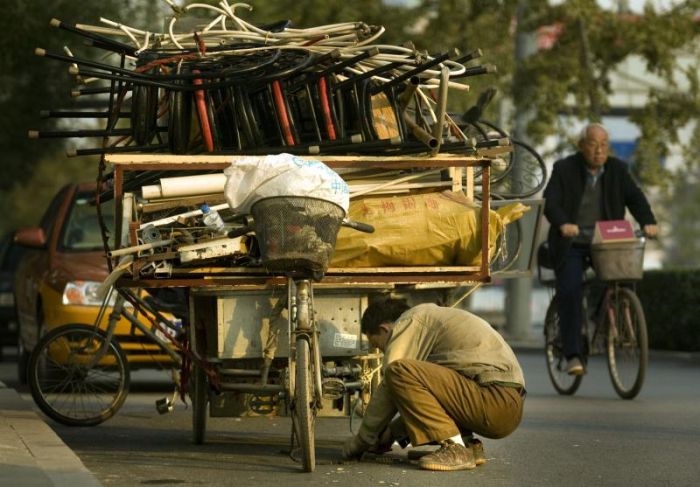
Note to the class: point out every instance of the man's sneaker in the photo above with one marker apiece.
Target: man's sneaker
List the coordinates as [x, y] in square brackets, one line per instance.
[574, 366]
[477, 450]
[476, 445]
[450, 456]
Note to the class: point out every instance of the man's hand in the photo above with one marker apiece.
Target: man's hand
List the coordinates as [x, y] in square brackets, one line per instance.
[651, 231]
[386, 439]
[569, 230]
[354, 448]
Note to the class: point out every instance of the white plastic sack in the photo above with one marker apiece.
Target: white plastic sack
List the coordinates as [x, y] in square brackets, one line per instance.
[251, 178]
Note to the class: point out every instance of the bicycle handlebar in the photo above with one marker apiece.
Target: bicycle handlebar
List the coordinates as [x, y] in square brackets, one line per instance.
[361, 227]
[240, 231]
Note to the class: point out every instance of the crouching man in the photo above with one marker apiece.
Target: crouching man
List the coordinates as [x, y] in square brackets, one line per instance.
[448, 374]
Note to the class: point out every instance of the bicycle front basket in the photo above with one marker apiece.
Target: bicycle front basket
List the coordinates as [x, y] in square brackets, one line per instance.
[618, 261]
[296, 234]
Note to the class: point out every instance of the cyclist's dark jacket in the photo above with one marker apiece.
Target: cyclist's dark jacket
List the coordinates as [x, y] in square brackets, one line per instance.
[565, 189]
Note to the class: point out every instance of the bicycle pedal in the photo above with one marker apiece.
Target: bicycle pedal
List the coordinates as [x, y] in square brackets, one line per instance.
[332, 388]
[262, 405]
[164, 406]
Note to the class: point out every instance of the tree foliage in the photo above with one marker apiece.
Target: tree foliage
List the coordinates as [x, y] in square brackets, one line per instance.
[574, 76]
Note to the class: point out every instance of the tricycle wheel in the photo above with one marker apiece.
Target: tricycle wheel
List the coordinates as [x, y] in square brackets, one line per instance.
[200, 399]
[73, 386]
[303, 410]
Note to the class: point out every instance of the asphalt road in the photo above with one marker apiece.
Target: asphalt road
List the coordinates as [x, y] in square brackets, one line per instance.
[591, 439]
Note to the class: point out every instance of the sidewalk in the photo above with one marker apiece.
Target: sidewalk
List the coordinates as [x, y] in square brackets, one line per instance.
[31, 454]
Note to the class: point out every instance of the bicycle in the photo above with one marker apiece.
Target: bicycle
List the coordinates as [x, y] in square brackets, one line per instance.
[296, 237]
[614, 325]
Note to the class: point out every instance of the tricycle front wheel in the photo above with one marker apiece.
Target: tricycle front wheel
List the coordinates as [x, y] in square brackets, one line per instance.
[303, 409]
[200, 400]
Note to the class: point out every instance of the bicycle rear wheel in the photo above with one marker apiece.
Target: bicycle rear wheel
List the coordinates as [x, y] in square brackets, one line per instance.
[508, 247]
[67, 386]
[564, 383]
[628, 347]
[526, 176]
[304, 412]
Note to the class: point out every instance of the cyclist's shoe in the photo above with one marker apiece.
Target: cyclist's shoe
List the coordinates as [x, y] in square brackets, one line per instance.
[450, 456]
[574, 366]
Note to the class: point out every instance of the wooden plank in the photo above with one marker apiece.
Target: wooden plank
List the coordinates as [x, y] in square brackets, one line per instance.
[269, 282]
[469, 186]
[331, 271]
[456, 178]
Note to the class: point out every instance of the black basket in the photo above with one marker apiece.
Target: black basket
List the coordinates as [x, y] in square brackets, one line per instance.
[296, 234]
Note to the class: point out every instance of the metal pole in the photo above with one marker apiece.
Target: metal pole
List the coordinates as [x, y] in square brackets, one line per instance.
[519, 290]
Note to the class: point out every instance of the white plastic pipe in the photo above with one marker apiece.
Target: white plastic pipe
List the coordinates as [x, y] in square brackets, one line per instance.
[185, 186]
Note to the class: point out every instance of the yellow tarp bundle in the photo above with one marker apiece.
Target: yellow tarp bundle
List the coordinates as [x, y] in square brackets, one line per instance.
[419, 230]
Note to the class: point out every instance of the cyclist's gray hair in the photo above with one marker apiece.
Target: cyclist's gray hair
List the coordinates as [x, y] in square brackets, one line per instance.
[584, 132]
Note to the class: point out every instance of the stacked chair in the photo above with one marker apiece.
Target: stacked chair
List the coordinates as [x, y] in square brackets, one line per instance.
[229, 87]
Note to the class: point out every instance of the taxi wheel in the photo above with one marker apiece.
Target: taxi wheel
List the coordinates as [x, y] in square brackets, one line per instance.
[22, 362]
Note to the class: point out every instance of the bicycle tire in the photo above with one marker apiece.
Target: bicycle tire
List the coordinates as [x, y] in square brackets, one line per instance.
[500, 167]
[304, 412]
[628, 344]
[527, 176]
[563, 383]
[200, 401]
[509, 247]
[144, 113]
[179, 121]
[97, 392]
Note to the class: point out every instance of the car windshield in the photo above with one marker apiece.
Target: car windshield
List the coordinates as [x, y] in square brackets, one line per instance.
[82, 229]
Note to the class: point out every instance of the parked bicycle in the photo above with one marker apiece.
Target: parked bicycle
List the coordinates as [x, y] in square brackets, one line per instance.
[614, 322]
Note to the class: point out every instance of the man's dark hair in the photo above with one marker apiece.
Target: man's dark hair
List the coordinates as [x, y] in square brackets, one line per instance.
[386, 310]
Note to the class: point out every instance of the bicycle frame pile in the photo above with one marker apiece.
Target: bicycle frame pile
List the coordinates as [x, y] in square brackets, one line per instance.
[228, 86]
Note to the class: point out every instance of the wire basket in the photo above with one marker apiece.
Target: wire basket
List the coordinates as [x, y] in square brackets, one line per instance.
[296, 234]
[618, 261]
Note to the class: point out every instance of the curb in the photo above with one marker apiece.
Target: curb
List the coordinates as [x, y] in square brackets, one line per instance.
[31, 453]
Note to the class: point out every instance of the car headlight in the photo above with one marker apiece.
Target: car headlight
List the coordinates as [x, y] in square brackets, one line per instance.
[83, 293]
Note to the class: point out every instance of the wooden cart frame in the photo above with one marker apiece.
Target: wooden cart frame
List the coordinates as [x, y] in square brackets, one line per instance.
[209, 284]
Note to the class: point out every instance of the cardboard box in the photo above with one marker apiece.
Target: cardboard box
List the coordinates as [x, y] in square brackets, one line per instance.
[609, 231]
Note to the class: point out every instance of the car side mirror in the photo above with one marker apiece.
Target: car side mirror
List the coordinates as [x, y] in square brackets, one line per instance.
[31, 237]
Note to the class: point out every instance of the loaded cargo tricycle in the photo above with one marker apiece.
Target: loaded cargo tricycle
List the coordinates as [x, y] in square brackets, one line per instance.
[257, 300]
